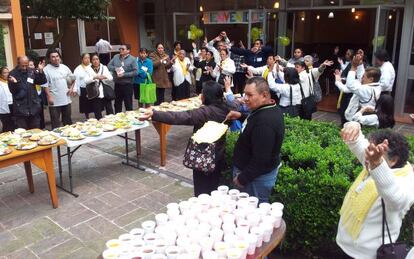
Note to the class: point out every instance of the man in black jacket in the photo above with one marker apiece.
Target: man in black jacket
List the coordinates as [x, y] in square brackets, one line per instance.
[256, 56]
[26, 101]
[256, 154]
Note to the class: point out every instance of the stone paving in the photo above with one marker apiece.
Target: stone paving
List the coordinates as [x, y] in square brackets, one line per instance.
[114, 198]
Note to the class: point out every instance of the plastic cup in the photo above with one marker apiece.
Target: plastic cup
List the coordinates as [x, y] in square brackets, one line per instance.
[203, 197]
[216, 222]
[147, 252]
[230, 239]
[159, 256]
[137, 245]
[137, 233]
[173, 213]
[161, 219]
[184, 206]
[215, 194]
[160, 246]
[265, 207]
[126, 239]
[234, 253]
[148, 226]
[253, 201]
[110, 254]
[228, 228]
[252, 244]
[193, 250]
[113, 244]
[243, 195]
[210, 254]
[193, 200]
[258, 232]
[243, 246]
[241, 231]
[223, 189]
[277, 215]
[150, 238]
[277, 206]
[234, 194]
[228, 218]
[267, 231]
[173, 206]
[220, 248]
[173, 252]
[217, 234]
[253, 219]
[206, 243]
[183, 241]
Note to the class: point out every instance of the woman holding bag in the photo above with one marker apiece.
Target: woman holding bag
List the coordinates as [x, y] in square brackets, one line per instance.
[145, 69]
[101, 74]
[83, 73]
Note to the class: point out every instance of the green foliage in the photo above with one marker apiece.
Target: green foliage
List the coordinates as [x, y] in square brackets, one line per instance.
[317, 171]
[3, 61]
[82, 9]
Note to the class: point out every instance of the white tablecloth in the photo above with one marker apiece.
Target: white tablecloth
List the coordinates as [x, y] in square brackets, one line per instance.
[75, 143]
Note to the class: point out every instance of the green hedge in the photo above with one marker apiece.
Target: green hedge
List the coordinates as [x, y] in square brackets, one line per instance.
[317, 171]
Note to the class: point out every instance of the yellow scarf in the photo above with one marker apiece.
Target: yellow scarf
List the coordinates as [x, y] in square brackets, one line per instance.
[359, 200]
[338, 104]
[266, 73]
[183, 66]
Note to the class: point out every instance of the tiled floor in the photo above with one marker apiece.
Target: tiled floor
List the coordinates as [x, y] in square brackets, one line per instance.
[114, 198]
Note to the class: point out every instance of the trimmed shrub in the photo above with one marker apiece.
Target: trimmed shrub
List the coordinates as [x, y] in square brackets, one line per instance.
[317, 171]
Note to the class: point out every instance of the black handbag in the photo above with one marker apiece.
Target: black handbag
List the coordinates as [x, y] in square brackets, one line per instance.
[108, 90]
[398, 250]
[200, 157]
[317, 90]
[308, 104]
[92, 90]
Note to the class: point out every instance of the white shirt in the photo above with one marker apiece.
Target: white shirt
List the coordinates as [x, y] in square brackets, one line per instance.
[363, 95]
[216, 53]
[6, 98]
[398, 196]
[103, 46]
[283, 91]
[229, 68]
[387, 76]
[57, 84]
[178, 76]
[82, 73]
[307, 81]
[366, 120]
[103, 70]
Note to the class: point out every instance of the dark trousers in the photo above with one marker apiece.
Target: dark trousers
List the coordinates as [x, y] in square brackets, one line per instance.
[107, 104]
[7, 121]
[181, 92]
[27, 122]
[104, 58]
[96, 105]
[123, 93]
[160, 96]
[55, 115]
[136, 91]
[204, 183]
[239, 80]
[346, 98]
[199, 86]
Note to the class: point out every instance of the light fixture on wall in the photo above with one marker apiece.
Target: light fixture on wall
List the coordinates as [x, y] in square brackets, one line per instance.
[390, 17]
[353, 10]
[276, 5]
[332, 2]
[331, 15]
[201, 8]
[302, 18]
[356, 17]
[318, 17]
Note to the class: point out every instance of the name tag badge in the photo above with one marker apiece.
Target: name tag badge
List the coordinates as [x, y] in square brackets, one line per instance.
[30, 80]
[259, 59]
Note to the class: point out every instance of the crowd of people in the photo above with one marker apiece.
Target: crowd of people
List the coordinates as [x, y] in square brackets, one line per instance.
[268, 86]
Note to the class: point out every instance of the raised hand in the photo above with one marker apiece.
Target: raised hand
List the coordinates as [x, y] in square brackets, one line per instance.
[337, 74]
[227, 83]
[194, 45]
[374, 154]
[328, 63]
[351, 131]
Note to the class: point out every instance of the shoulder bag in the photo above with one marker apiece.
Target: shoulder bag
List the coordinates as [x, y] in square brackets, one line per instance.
[92, 90]
[147, 91]
[317, 91]
[308, 104]
[200, 157]
[108, 88]
[392, 250]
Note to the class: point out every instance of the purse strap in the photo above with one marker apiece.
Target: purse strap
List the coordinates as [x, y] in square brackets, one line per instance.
[301, 91]
[385, 223]
[291, 101]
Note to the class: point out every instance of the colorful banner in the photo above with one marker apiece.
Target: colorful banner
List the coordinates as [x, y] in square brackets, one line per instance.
[231, 17]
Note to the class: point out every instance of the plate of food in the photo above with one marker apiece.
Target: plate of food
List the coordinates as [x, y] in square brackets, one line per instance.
[93, 132]
[76, 137]
[108, 127]
[26, 145]
[48, 140]
[5, 150]
[13, 140]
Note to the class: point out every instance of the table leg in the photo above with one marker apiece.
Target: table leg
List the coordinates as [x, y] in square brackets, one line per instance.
[29, 175]
[138, 142]
[50, 172]
[126, 148]
[162, 130]
[60, 165]
[69, 154]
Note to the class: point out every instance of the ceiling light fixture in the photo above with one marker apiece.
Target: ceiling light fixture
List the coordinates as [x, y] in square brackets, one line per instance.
[276, 5]
[331, 15]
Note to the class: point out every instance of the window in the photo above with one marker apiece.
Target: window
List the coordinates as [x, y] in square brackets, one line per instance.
[93, 29]
[40, 30]
[409, 97]
[3, 60]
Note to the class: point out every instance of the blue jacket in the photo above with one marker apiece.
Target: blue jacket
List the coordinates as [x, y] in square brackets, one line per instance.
[142, 75]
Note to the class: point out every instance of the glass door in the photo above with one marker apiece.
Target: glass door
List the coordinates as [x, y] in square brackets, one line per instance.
[182, 23]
